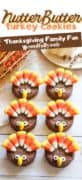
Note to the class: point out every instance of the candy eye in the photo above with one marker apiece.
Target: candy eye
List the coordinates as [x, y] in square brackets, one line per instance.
[57, 123]
[63, 159]
[55, 157]
[56, 89]
[24, 157]
[16, 156]
[64, 123]
[25, 123]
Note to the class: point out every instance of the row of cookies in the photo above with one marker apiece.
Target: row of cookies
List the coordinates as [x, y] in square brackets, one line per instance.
[59, 148]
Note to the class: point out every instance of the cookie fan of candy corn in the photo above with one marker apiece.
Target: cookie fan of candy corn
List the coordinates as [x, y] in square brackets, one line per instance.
[59, 75]
[66, 108]
[23, 140]
[60, 140]
[22, 106]
[26, 76]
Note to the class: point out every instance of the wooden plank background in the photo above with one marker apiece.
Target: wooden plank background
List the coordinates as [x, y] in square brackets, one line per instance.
[40, 169]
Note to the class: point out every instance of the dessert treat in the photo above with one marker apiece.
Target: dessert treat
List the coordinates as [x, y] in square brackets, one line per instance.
[21, 148]
[60, 115]
[9, 60]
[59, 83]
[60, 149]
[25, 84]
[22, 114]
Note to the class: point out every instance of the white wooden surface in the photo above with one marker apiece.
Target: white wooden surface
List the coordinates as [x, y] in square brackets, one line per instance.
[40, 169]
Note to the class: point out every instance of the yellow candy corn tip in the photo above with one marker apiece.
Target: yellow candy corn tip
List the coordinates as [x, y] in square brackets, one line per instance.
[68, 72]
[38, 144]
[25, 71]
[12, 79]
[60, 70]
[11, 136]
[51, 103]
[51, 72]
[21, 132]
[60, 101]
[18, 73]
[6, 109]
[51, 135]
[61, 134]
[13, 102]
[31, 135]
[77, 147]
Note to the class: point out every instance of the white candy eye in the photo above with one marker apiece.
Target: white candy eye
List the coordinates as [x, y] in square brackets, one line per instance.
[25, 123]
[56, 89]
[63, 159]
[17, 156]
[55, 157]
[64, 123]
[24, 157]
[57, 123]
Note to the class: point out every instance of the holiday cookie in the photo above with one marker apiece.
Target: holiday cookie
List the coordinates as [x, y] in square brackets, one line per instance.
[60, 149]
[21, 148]
[25, 84]
[60, 115]
[22, 114]
[59, 83]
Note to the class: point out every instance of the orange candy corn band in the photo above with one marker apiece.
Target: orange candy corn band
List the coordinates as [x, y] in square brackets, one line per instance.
[21, 138]
[66, 142]
[26, 76]
[22, 106]
[66, 108]
[66, 76]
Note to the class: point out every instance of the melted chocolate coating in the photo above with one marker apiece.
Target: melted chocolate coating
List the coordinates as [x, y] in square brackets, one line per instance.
[22, 117]
[61, 153]
[54, 95]
[30, 156]
[17, 90]
[51, 122]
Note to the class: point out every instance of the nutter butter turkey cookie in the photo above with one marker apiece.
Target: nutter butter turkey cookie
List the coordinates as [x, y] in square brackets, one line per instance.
[21, 148]
[22, 114]
[60, 149]
[25, 84]
[59, 83]
[60, 115]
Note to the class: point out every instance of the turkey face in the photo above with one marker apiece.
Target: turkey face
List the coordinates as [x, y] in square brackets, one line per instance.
[30, 91]
[21, 157]
[22, 122]
[60, 90]
[59, 158]
[59, 123]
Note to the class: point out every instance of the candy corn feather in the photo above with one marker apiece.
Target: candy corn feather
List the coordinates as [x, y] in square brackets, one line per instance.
[66, 108]
[23, 140]
[25, 76]
[22, 106]
[65, 142]
[61, 75]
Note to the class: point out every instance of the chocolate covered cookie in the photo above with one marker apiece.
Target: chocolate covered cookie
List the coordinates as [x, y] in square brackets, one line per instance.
[60, 149]
[21, 148]
[60, 115]
[59, 83]
[25, 84]
[22, 115]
